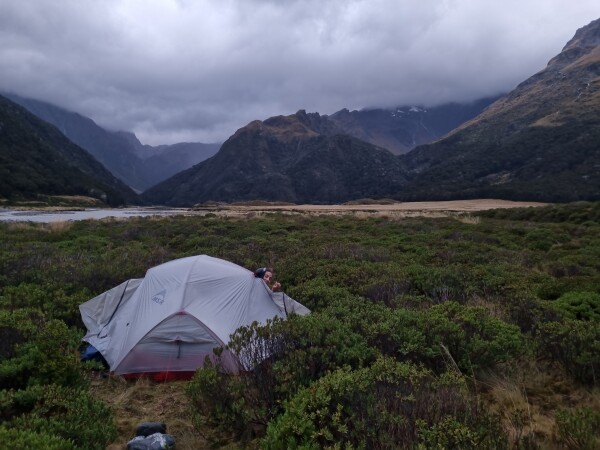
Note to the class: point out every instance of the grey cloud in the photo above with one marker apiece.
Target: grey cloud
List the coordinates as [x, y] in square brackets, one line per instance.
[198, 70]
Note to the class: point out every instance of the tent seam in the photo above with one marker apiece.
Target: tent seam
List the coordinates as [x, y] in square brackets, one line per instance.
[187, 279]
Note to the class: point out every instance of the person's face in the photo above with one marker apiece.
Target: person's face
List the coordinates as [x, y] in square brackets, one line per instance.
[268, 276]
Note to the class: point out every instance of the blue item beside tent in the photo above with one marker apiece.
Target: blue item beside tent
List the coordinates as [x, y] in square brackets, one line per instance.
[91, 353]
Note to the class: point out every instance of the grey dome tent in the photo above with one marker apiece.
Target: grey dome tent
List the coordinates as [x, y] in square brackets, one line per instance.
[170, 320]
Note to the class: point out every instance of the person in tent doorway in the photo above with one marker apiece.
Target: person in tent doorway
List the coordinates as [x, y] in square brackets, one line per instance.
[267, 275]
[285, 304]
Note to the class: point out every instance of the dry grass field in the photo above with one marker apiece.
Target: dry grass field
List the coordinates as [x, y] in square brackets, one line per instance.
[364, 208]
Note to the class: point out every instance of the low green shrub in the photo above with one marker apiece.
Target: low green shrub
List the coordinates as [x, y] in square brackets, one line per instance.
[240, 406]
[317, 293]
[28, 440]
[396, 333]
[469, 335]
[554, 288]
[474, 339]
[539, 239]
[578, 428]
[218, 404]
[387, 405]
[55, 300]
[451, 432]
[49, 356]
[279, 358]
[574, 344]
[579, 306]
[25, 295]
[319, 343]
[70, 414]
[16, 327]
[528, 312]
[438, 284]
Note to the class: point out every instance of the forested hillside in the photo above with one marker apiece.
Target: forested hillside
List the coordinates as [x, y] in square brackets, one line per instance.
[538, 142]
[139, 166]
[37, 161]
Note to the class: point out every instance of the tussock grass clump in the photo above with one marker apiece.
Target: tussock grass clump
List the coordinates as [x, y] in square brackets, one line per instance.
[143, 400]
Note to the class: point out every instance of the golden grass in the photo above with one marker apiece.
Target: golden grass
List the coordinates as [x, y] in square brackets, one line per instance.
[134, 402]
[77, 200]
[58, 226]
[468, 219]
[551, 120]
[527, 397]
[510, 401]
[51, 227]
[21, 226]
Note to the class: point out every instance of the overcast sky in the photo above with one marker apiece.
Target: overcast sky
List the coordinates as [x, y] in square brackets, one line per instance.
[197, 70]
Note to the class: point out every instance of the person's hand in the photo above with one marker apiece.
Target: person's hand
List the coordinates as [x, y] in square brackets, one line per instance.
[276, 286]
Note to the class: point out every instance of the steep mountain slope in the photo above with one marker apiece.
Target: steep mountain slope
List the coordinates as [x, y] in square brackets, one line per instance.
[297, 158]
[36, 159]
[163, 161]
[140, 166]
[401, 129]
[540, 142]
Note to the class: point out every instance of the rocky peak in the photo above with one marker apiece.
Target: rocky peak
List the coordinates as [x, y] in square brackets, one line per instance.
[296, 126]
[586, 37]
[316, 122]
[585, 41]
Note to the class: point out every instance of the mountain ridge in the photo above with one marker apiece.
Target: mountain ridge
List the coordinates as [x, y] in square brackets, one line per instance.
[37, 160]
[543, 134]
[403, 128]
[539, 142]
[134, 163]
[292, 158]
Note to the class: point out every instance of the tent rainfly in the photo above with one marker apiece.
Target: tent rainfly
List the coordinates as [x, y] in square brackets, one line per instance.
[165, 324]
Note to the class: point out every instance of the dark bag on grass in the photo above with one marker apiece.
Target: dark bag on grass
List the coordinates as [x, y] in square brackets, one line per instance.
[148, 428]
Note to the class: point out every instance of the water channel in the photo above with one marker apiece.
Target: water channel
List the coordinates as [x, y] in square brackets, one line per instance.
[12, 215]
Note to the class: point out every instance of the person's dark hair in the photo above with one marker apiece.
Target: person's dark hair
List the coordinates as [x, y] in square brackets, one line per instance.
[260, 273]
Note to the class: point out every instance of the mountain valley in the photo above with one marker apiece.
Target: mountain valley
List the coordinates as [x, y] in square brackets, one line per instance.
[540, 142]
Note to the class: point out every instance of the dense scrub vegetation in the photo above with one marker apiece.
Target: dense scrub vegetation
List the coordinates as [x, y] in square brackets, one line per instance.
[458, 332]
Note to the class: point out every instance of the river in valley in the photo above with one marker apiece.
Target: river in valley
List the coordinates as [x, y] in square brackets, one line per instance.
[43, 216]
